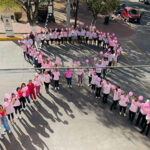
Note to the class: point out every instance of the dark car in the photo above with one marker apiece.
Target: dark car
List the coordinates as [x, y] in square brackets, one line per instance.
[131, 15]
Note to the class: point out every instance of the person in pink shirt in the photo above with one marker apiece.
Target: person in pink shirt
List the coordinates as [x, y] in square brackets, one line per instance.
[16, 104]
[48, 65]
[9, 109]
[93, 82]
[47, 80]
[68, 75]
[80, 76]
[56, 74]
[37, 83]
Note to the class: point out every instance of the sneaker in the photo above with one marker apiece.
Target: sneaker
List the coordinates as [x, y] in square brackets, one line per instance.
[4, 130]
[120, 113]
[55, 88]
[58, 88]
[20, 117]
[16, 117]
[71, 86]
[89, 85]
[24, 109]
[96, 97]
[68, 86]
[9, 131]
[124, 114]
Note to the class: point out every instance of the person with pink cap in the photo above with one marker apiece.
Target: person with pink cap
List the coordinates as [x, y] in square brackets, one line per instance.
[8, 107]
[37, 83]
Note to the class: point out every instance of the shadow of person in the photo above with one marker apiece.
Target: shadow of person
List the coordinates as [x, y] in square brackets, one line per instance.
[38, 121]
[52, 106]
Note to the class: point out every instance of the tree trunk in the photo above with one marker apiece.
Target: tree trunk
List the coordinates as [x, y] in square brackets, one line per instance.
[94, 19]
[35, 13]
[76, 13]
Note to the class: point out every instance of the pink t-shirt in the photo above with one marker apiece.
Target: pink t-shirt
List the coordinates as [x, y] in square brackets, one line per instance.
[123, 101]
[56, 75]
[24, 48]
[134, 106]
[37, 81]
[80, 71]
[143, 108]
[48, 66]
[8, 107]
[47, 78]
[39, 57]
[68, 73]
[15, 101]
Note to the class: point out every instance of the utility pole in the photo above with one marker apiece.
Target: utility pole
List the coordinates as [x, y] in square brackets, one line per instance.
[68, 14]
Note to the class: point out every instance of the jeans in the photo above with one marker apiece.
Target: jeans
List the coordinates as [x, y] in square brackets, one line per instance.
[28, 99]
[5, 123]
[69, 81]
[131, 115]
[105, 96]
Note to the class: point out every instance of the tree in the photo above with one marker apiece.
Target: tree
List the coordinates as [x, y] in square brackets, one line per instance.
[101, 6]
[27, 6]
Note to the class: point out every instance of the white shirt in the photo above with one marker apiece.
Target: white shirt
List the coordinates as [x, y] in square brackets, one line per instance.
[56, 75]
[110, 56]
[47, 78]
[107, 88]
[134, 106]
[99, 69]
[94, 79]
[123, 101]
[98, 84]
[83, 32]
[116, 95]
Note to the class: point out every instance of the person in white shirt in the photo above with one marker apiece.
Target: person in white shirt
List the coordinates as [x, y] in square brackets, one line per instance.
[87, 36]
[70, 35]
[47, 80]
[99, 68]
[124, 100]
[95, 37]
[100, 39]
[133, 108]
[83, 32]
[42, 37]
[56, 74]
[106, 90]
[93, 81]
[115, 98]
[59, 38]
[105, 64]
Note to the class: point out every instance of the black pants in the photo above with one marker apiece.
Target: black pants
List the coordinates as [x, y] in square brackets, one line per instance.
[70, 39]
[46, 85]
[114, 105]
[146, 126]
[123, 108]
[98, 74]
[105, 96]
[90, 79]
[99, 43]
[56, 83]
[141, 118]
[51, 41]
[47, 42]
[93, 87]
[110, 63]
[10, 116]
[86, 40]
[131, 115]
[62, 40]
[23, 102]
[98, 92]
[104, 73]
[42, 42]
[17, 109]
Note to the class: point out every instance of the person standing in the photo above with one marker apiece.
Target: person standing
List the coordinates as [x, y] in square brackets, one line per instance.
[93, 82]
[98, 88]
[37, 83]
[47, 80]
[31, 87]
[68, 75]
[80, 76]
[106, 90]
[56, 74]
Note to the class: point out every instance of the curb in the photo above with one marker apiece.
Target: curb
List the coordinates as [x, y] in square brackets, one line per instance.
[9, 39]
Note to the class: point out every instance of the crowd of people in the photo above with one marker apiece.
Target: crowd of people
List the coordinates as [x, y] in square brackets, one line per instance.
[24, 95]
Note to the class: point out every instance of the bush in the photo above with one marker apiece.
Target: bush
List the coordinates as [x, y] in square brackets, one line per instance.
[18, 16]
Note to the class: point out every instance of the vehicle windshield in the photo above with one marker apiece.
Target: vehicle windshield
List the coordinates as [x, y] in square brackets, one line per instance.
[133, 12]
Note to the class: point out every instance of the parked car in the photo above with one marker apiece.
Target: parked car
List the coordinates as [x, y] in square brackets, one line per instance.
[131, 15]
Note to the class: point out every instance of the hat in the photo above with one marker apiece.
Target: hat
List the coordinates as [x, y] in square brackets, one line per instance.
[36, 74]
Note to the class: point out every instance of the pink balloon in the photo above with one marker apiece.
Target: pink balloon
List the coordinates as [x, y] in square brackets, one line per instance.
[56, 62]
[107, 33]
[72, 26]
[118, 51]
[22, 38]
[86, 26]
[140, 98]
[15, 92]
[71, 63]
[24, 42]
[99, 79]
[48, 58]
[113, 34]
[87, 61]
[130, 93]
[95, 59]
[77, 26]
[42, 53]
[104, 82]
[18, 41]
[109, 49]
[36, 74]
[53, 64]
[119, 90]
[106, 54]
[101, 52]
[113, 87]
[7, 96]
[62, 29]
[78, 62]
